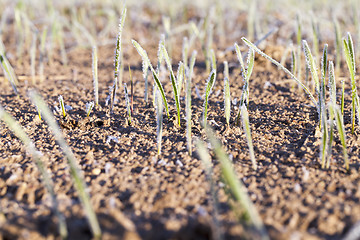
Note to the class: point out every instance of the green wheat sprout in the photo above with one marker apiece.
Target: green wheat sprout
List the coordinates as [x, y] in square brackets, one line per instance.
[208, 167]
[208, 89]
[159, 119]
[174, 82]
[127, 100]
[62, 105]
[36, 156]
[246, 126]
[95, 74]
[251, 45]
[75, 170]
[237, 189]
[350, 61]
[7, 68]
[88, 108]
[145, 59]
[188, 102]
[227, 100]
[117, 61]
[341, 129]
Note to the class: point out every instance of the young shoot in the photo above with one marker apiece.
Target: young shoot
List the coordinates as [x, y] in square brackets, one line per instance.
[62, 105]
[36, 156]
[7, 68]
[159, 119]
[350, 61]
[88, 107]
[246, 73]
[180, 76]
[75, 170]
[341, 129]
[208, 167]
[188, 103]
[246, 126]
[174, 82]
[95, 74]
[209, 85]
[117, 62]
[332, 93]
[42, 53]
[227, 100]
[127, 100]
[237, 189]
[145, 59]
[251, 45]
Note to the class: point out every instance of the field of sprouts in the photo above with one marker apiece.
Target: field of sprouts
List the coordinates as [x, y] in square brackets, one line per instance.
[179, 119]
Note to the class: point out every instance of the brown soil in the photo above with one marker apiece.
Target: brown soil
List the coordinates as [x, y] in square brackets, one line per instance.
[139, 196]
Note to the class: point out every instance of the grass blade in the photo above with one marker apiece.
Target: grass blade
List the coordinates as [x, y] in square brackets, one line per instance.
[75, 170]
[62, 105]
[341, 129]
[127, 100]
[246, 126]
[249, 44]
[95, 74]
[247, 73]
[236, 187]
[312, 66]
[174, 82]
[209, 85]
[350, 61]
[206, 160]
[36, 156]
[227, 100]
[117, 61]
[188, 103]
[7, 68]
[159, 119]
[145, 58]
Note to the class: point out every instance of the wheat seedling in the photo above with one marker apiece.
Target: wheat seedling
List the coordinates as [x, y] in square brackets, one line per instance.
[185, 52]
[42, 53]
[246, 73]
[117, 61]
[251, 45]
[237, 189]
[145, 59]
[206, 160]
[209, 85]
[337, 46]
[188, 102]
[88, 107]
[159, 120]
[227, 100]
[7, 68]
[332, 91]
[127, 100]
[32, 57]
[95, 74]
[350, 61]
[36, 155]
[246, 127]
[62, 105]
[341, 129]
[174, 82]
[180, 76]
[75, 170]
[315, 31]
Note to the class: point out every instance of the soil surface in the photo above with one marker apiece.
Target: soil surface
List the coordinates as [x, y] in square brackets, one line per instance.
[138, 195]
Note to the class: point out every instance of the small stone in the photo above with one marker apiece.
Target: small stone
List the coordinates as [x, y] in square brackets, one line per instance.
[331, 187]
[96, 171]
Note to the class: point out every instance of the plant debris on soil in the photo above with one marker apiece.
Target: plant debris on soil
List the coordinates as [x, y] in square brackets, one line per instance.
[137, 194]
